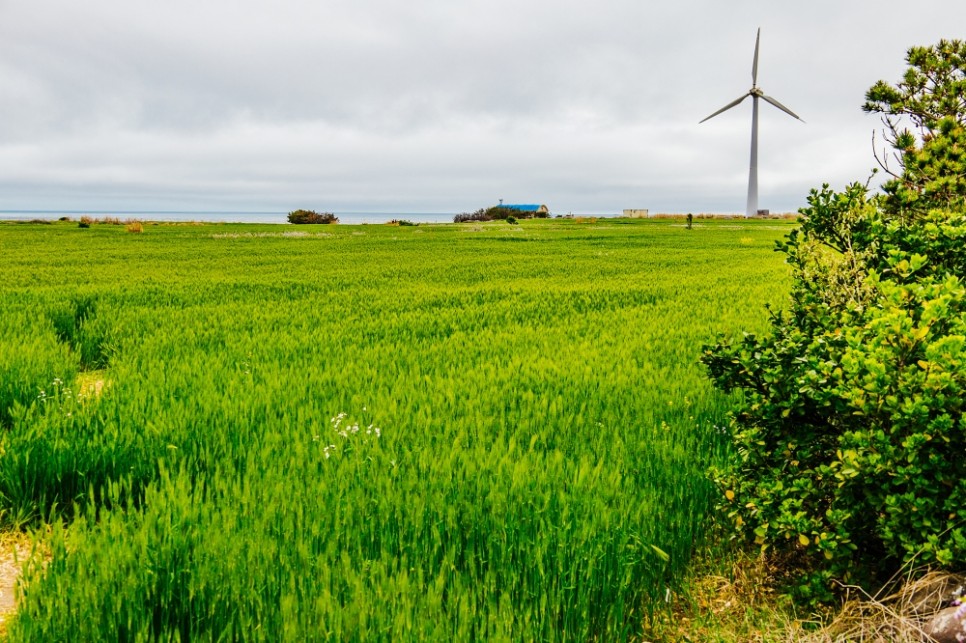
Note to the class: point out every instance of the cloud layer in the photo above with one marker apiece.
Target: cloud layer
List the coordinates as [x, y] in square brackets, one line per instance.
[429, 105]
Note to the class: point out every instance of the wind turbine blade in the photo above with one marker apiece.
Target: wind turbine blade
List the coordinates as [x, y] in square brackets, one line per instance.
[781, 107]
[754, 67]
[725, 108]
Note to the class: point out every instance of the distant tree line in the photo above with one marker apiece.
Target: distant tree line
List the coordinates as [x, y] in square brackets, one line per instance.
[498, 213]
[311, 216]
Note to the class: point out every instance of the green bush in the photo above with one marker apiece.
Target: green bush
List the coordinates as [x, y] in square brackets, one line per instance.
[311, 216]
[497, 213]
[500, 213]
[466, 217]
[850, 434]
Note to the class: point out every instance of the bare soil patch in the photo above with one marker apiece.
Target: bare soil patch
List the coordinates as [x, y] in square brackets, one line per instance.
[15, 548]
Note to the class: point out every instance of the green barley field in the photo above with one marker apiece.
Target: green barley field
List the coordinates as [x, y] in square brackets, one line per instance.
[463, 432]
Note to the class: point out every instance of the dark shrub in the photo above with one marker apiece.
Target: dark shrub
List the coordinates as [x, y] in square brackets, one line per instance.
[500, 212]
[479, 215]
[311, 216]
[497, 213]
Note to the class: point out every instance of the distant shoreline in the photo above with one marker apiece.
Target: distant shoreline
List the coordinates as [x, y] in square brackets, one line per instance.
[345, 218]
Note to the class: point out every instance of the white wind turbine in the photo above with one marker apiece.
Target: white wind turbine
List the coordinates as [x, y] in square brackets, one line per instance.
[755, 94]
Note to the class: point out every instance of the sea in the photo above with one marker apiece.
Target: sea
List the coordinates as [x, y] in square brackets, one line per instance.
[232, 217]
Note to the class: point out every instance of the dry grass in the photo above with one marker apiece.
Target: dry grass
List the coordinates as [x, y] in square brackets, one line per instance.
[707, 215]
[734, 601]
[901, 616]
[134, 227]
[297, 234]
[89, 220]
[91, 384]
[743, 604]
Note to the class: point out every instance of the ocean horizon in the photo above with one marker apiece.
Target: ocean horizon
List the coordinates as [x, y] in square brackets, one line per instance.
[238, 217]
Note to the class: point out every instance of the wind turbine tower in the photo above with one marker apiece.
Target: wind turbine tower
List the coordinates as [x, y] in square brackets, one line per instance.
[755, 93]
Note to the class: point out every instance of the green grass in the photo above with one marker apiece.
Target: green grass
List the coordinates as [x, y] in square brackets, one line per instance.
[543, 424]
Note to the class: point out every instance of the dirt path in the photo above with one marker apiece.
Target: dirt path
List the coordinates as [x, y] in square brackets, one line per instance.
[14, 550]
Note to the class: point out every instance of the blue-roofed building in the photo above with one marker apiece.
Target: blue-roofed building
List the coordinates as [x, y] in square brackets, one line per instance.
[534, 208]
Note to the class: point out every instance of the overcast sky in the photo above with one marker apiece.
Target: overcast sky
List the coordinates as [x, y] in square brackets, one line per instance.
[439, 105]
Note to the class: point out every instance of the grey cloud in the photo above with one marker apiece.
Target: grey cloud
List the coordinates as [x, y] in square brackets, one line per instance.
[436, 105]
